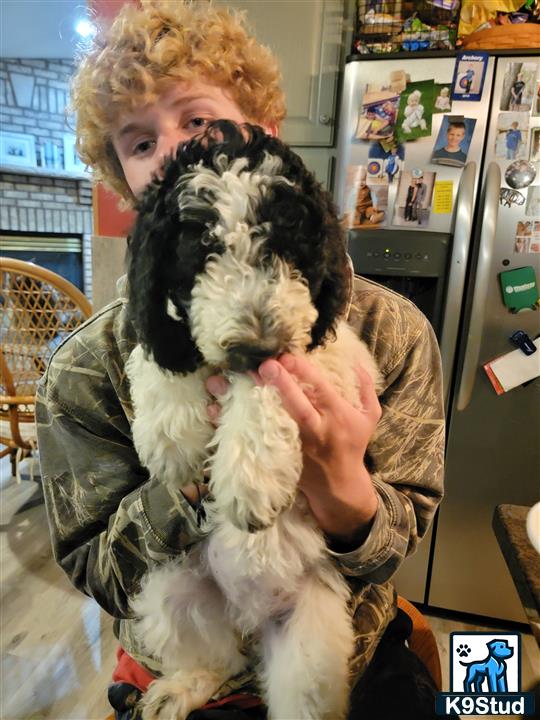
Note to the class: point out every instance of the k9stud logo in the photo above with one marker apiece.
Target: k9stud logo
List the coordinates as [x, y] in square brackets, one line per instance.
[483, 663]
[485, 676]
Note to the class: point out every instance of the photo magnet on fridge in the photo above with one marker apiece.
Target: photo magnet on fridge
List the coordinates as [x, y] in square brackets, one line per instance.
[534, 152]
[453, 141]
[366, 196]
[413, 199]
[519, 86]
[443, 101]
[512, 135]
[527, 236]
[533, 201]
[378, 115]
[416, 105]
[469, 75]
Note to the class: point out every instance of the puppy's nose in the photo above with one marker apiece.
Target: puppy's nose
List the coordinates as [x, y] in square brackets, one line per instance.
[241, 358]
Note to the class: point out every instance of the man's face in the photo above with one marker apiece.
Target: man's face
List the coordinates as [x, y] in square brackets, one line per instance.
[455, 136]
[143, 138]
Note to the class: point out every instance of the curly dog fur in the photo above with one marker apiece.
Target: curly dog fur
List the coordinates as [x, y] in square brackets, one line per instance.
[237, 255]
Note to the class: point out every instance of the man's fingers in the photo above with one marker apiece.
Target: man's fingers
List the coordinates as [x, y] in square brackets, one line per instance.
[293, 397]
[368, 396]
[217, 385]
[311, 379]
[213, 411]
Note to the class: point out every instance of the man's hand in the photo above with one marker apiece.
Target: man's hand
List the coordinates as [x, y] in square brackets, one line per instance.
[334, 437]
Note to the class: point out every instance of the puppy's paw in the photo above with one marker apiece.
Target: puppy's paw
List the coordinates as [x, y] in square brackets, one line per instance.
[174, 697]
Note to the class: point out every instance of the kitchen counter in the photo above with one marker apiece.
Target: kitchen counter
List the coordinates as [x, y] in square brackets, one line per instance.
[522, 559]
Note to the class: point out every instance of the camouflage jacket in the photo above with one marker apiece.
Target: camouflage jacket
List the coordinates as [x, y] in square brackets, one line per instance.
[110, 522]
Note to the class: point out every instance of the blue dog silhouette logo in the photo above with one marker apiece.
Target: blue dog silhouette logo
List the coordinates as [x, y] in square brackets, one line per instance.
[491, 670]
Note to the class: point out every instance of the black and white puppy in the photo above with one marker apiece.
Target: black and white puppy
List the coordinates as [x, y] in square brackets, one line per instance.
[237, 255]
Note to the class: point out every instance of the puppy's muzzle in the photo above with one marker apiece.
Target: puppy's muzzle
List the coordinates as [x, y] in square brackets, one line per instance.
[244, 357]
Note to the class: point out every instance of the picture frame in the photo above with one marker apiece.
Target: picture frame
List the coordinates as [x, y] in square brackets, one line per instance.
[72, 161]
[17, 149]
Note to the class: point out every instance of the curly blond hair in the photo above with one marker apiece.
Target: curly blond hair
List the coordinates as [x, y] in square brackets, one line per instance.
[148, 48]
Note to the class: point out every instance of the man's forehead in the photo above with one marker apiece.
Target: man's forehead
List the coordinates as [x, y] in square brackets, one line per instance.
[167, 96]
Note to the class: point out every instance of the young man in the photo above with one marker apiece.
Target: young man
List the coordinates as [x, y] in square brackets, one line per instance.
[452, 152]
[513, 141]
[516, 93]
[153, 81]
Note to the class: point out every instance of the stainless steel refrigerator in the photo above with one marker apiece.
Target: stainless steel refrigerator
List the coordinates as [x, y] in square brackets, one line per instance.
[480, 216]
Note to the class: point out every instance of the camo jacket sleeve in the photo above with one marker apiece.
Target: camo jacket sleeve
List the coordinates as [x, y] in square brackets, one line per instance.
[108, 521]
[405, 456]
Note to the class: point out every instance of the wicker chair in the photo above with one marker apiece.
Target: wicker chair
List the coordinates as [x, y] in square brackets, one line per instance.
[39, 309]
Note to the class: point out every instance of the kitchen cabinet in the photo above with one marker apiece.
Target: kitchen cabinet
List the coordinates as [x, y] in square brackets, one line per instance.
[307, 38]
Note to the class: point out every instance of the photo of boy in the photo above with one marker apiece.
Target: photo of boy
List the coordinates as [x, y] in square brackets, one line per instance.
[453, 141]
[392, 166]
[519, 87]
[512, 141]
[469, 76]
[413, 200]
[512, 135]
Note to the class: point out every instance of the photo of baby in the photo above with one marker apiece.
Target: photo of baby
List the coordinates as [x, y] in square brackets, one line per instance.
[414, 196]
[519, 87]
[379, 112]
[511, 138]
[416, 110]
[366, 199]
[443, 102]
[453, 141]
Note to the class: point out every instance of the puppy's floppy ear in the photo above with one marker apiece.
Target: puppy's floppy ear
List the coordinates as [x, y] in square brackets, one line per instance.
[152, 261]
[333, 295]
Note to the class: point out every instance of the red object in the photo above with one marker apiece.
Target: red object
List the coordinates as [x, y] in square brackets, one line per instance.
[128, 670]
[109, 220]
[108, 8]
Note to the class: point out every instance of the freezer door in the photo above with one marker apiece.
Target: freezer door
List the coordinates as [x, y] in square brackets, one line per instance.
[493, 452]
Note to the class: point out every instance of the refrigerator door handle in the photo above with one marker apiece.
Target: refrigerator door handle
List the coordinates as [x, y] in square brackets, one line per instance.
[456, 277]
[487, 241]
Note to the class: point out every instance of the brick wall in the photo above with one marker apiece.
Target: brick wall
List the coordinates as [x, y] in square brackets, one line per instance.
[33, 96]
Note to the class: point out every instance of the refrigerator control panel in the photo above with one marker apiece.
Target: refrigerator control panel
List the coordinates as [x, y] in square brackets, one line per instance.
[398, 253]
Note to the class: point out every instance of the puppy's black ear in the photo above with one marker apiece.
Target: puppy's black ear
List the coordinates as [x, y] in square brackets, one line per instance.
[333, 295]
[152, 262]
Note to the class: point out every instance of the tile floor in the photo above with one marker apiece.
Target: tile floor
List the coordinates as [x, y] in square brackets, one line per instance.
[57, 645]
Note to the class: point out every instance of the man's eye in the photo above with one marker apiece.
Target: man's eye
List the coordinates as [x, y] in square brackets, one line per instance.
[143, 147]
[198, 122]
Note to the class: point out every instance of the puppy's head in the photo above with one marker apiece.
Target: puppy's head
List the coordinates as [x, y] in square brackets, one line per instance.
[237, 255]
